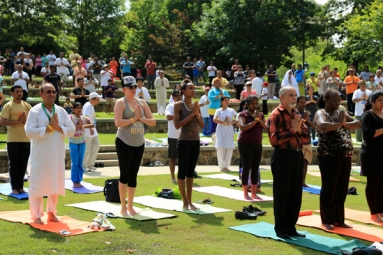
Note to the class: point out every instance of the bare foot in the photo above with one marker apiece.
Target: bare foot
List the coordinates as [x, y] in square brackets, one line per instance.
[38, 221]
[174, 181]
[327, 226]
[225, 170]
[344, 225]
[376, 218]
[254, 196]
[21, 191]
[77, 185]
[193, 207]
[15, 192]
[52, 217]
[132, 212]
[247, 197]
[305, 185]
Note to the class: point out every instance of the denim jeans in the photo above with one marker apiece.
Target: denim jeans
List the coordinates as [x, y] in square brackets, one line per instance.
[77, 152]
[206, 126]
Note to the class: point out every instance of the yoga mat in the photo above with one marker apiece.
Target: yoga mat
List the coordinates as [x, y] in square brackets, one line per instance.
[87, 188]
[115, 208]
[361, 216]
[230, 193]
[75, 227]
[317, 174]
[176, 205]
[6, 190]
[371, 234]
[313, 189]
[314, 242]
[229, 177]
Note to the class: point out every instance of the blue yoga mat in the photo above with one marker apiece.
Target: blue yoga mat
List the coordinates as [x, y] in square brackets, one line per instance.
[313, 189]
[6, 190]
[315, 242]
[87, 188]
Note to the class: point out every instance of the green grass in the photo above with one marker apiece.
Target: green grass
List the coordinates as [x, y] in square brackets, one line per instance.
[186, 234]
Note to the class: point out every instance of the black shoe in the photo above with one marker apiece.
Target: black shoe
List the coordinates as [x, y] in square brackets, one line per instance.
[284, 236]
[196, 175]
[297, 234]
[245, 216]
[253, 209]
[101, 165]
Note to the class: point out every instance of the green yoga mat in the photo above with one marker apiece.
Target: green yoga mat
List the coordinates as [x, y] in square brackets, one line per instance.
[315, 242]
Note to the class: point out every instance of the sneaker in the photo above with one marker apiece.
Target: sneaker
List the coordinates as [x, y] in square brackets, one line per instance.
[245, 216]
[253, 209]
[93, 168]
[88, 169]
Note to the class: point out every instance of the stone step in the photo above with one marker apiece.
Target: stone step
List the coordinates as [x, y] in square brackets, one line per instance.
[107, 156]
[109, 162]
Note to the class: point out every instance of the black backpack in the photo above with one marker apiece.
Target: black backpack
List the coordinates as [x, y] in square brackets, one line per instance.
[111, 191]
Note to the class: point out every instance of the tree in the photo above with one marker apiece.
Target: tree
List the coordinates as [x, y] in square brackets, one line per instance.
[256, 32]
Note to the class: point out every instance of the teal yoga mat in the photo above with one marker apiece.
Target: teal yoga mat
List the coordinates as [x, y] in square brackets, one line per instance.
[315, 242]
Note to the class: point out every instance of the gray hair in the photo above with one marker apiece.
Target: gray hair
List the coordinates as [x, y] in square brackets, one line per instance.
[284, 89]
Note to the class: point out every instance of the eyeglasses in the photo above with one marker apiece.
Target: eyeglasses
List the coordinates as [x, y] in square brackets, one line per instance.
[51, 92]
[133, 87]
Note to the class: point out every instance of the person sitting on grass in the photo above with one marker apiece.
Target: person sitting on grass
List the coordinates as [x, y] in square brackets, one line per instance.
[68, 106]
[109, 96]
[77, 144]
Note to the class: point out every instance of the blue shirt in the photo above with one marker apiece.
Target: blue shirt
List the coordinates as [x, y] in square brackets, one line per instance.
[215, 102]
[195, 70]
[125, 66]
[299, 75]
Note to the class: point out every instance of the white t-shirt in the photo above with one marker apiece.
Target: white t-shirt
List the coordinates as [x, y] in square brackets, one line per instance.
[51, 59]
[145, 92]
[105, 76]
[211, 70]
[256, 84]
[204, 109]
[21, 82]
[172, 131]
[379, 79]
[359, 106]
[62, 68]
[88, 110]
[264, 91]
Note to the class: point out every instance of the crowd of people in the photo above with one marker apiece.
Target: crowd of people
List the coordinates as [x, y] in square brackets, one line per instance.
[309, 108]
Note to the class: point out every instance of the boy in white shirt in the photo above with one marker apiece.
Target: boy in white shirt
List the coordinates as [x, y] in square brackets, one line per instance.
[264, 97]
[360, 97]
[141, 91]
[204, 106]
[173, 135]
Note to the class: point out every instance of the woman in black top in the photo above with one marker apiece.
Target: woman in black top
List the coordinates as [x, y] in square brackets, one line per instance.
[334, 157]
[372, 126]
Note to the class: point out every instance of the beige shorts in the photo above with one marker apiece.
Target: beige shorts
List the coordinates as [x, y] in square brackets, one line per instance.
[63, 77]
[109, 101]
[307, 152]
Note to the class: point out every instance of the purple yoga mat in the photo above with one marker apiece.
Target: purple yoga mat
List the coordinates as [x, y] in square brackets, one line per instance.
[87, 188]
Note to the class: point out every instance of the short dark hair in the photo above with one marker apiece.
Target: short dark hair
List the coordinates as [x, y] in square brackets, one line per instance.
[300, 97]
[76, 104]
[15, 87]
[80, 79]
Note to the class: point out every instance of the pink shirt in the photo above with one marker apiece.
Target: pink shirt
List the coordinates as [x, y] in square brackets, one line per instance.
[245, 94]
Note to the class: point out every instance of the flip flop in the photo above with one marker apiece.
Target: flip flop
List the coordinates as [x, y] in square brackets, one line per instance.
[236, 185]
[206, 201]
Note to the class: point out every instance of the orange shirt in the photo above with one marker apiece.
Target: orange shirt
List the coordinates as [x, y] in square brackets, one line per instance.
[350, 88]
[113, 65]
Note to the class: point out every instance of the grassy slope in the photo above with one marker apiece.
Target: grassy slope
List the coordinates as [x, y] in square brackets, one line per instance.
[186, 234]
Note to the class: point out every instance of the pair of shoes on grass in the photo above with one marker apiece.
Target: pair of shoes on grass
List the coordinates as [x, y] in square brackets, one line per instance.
[249, 213]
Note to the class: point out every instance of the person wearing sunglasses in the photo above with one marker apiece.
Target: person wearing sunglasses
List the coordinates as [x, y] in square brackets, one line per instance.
[47, 126]
[130, 115]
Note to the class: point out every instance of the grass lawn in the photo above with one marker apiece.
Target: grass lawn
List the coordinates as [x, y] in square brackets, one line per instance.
[186, 234]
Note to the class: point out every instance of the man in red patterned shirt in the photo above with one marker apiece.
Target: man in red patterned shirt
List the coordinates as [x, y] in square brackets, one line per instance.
[287, 134]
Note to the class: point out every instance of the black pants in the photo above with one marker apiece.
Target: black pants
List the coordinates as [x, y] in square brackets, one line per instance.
[129, 160]
[251, 155]
[188, 153]
[211, 80]
[265, 110]
[25, 95]
[350, 104]
[335, 172]
[374, 194]
[238, 90]
[287, 167]
[18, 154]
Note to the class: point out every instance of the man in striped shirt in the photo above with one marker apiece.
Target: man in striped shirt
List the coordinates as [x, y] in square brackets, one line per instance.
[287, 134]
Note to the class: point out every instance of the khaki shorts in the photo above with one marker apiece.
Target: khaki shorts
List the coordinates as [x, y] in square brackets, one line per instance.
[63, 77]
[109, 101]
[307, 152]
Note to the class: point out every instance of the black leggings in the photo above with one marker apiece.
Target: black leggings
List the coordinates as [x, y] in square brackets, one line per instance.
[188, 153]
[129, 160]
[238, 90]
[374, 194]
[251, 155]
[18, 155]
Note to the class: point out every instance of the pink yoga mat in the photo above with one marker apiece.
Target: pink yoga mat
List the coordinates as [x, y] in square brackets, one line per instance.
[230, 193]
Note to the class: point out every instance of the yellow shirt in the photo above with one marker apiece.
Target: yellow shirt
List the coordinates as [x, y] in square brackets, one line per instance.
[12, 111]
[224, 82]
[313, 83]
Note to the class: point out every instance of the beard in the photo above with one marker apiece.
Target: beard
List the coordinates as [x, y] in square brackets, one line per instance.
[293, 104]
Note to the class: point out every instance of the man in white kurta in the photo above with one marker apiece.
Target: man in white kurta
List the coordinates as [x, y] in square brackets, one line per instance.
[161, 84]
[47, 126]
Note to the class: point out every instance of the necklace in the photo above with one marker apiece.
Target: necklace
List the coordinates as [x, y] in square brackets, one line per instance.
[186, 106]
[46, 111]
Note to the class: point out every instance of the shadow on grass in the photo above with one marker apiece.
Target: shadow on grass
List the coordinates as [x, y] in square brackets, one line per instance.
[15, 200]
[147, 227]
[206, 219]
[51, 237]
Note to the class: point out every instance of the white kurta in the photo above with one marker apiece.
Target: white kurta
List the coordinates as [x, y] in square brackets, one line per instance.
[161, 85]
[225, 133]
[47, 157]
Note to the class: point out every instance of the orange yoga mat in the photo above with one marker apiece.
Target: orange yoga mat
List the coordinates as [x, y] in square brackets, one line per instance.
[361, 216]
[317, 174]
[367, 233]
[74, 227]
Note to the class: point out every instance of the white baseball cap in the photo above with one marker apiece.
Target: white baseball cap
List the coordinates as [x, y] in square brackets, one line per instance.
[94, 95]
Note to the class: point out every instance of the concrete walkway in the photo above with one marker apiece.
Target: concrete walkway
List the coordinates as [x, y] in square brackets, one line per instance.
[114, 171]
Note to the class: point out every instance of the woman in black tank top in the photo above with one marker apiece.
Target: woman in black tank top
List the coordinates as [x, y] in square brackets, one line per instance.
[188, 116]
